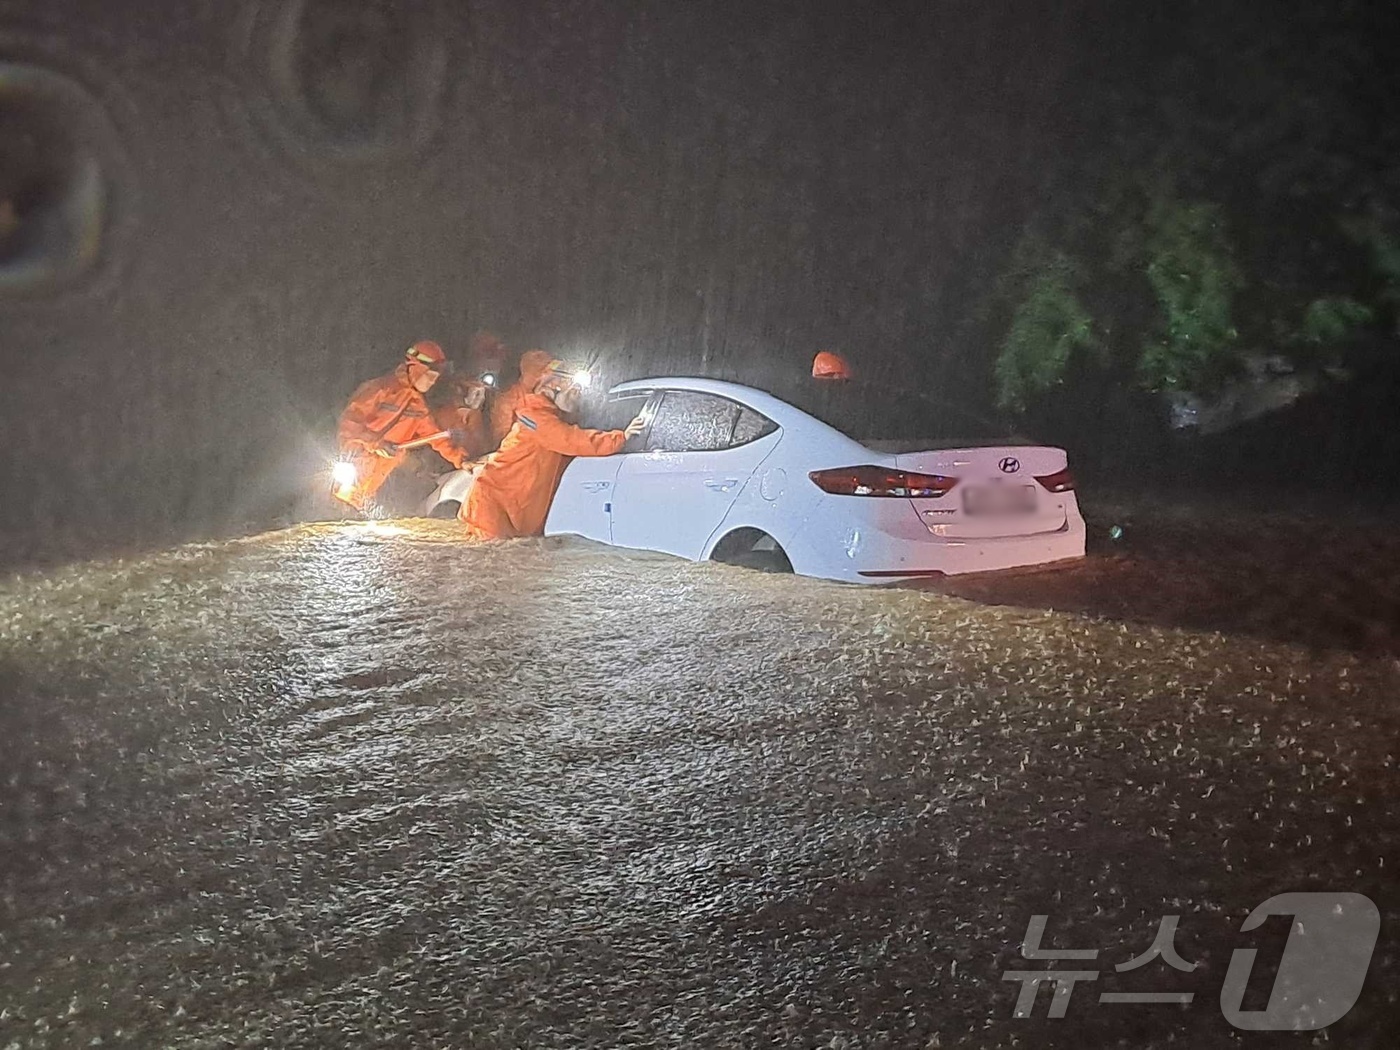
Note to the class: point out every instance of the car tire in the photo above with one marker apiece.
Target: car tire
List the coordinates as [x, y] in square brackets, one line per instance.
[763, 561]
[752, 549]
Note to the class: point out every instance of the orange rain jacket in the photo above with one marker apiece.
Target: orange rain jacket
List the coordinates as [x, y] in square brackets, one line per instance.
[384, 411]
[512, 494]
[533, 365]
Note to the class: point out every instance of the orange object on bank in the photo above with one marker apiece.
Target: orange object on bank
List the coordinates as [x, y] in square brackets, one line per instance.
[827, 365]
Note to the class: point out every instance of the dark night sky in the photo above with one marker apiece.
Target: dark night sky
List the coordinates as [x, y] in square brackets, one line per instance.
[295, 191]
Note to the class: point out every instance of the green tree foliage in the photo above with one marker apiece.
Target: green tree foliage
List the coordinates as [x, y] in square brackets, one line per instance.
[1333, 319]
[1151, 296]
[1048, 327]
[1189, 264]
[1242, 196]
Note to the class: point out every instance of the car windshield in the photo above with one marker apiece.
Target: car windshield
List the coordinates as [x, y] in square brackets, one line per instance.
[896, 419]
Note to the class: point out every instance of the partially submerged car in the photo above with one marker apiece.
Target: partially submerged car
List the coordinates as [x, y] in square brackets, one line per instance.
[728, 473]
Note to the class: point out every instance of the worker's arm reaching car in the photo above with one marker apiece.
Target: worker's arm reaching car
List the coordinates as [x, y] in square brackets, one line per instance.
[515, 485]
[554, 434]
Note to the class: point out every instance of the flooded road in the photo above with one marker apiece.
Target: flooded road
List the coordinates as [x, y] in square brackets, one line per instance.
[351, 785]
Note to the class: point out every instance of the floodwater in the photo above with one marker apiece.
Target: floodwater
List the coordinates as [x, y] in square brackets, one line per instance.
[367, 785]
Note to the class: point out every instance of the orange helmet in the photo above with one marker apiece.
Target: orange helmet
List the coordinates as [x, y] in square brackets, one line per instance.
[487, 353]
[556, 377]
[427, 353]
[827, 365]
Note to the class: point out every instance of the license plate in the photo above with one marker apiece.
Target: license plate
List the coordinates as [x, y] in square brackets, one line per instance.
[999, 499]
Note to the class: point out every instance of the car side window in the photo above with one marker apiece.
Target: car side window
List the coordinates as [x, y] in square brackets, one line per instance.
[692, 422]
[616, 412]
[751, 427]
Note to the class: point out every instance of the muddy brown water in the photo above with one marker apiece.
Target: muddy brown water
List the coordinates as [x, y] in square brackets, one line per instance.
[362, 785]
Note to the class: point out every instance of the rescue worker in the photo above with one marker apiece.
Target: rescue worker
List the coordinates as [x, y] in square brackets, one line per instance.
[458, 404]
[534, 364]
[515, 484]
[387, 412]
[486, 356]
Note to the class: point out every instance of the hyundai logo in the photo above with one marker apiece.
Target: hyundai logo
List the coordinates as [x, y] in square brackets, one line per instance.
[1010, 465]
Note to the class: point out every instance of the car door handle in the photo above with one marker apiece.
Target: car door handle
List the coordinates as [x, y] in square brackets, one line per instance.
[719, 485]
[596, 486]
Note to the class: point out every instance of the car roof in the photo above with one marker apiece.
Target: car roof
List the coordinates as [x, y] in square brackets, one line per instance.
[774, 408]
[814, 434]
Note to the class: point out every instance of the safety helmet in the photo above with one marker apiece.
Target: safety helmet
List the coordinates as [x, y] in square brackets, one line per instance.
[486, 352]
[427, 353]
[556, 376]
[827, 365]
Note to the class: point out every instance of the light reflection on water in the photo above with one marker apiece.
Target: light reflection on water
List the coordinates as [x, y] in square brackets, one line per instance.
[369, 778]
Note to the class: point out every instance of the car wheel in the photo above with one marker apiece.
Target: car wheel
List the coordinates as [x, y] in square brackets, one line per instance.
[752, 549]
[446, 510]
[764, 561]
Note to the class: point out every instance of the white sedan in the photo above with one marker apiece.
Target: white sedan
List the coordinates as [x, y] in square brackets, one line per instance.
[727, 473]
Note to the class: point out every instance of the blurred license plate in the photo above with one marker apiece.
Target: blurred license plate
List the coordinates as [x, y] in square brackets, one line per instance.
[999, 499]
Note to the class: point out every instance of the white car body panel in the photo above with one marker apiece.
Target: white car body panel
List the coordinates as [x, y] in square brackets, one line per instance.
[451, 487]
[675, 502]
[686, 503]
[585, 496]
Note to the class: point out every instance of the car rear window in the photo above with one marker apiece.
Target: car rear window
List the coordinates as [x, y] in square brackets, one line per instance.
[688, 421]
[750, 427]
[691, 421]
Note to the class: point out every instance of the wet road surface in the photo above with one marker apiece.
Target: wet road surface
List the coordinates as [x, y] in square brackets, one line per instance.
[367, 785]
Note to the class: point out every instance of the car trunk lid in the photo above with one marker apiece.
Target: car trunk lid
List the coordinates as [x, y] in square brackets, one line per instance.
[998, 493]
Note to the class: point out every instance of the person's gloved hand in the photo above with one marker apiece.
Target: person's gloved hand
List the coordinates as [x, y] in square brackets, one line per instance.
[635, 427]
[385, 450]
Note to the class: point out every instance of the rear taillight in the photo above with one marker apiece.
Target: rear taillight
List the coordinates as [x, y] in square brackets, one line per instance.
[881, 481]
[1060, 481]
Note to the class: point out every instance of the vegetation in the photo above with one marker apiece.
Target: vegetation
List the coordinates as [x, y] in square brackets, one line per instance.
[1245, 200]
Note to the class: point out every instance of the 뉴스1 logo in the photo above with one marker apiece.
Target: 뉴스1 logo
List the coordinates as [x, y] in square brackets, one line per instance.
[1319, 978]
[1010, 465]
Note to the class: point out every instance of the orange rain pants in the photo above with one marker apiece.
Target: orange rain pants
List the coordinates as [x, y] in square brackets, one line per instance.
[382, 413]
[512, 494]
